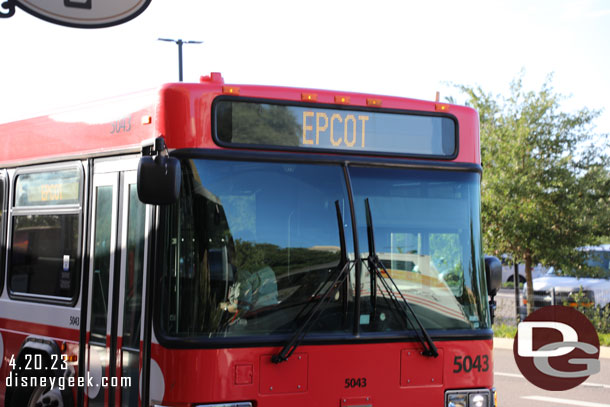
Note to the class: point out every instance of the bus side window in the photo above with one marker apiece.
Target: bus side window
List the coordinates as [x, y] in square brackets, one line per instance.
[45, 233]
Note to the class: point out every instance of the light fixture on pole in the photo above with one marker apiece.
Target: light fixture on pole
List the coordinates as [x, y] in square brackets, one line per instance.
[180, 42]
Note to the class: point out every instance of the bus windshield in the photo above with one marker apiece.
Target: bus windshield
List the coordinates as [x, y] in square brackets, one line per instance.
[250, 246]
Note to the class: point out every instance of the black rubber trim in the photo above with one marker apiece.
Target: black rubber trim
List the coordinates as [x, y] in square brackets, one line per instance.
[205, 342]
[319, 158]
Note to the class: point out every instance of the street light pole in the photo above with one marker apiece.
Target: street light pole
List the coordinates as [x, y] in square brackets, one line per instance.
[179, 42]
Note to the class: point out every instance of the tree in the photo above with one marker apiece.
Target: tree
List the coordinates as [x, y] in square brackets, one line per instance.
[546, 182]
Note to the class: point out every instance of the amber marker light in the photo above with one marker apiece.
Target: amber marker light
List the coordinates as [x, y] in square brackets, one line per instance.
[373, 102]
[441, 107]
[230, 90]
[309, 97]
[342, 100]
[146, 120]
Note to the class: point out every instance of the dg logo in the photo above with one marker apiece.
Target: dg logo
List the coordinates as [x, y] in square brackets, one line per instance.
[556, 348]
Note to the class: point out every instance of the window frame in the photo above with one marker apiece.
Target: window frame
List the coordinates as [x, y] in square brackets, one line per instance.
[3, 236]
[59, 209]
[173, 342]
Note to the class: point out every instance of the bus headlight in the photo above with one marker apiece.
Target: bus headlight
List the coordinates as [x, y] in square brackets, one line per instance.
[467, 398]
[479, 400]
[457, 400]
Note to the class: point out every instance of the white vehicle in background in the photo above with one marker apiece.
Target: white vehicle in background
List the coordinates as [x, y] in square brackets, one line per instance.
[508, 272]
[554, 289]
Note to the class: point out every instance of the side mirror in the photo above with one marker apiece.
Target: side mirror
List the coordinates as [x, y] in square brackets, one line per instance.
[493, 272]
[159, 180]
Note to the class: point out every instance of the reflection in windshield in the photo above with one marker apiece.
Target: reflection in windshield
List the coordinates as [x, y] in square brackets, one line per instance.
[427, 235]
[250, 244]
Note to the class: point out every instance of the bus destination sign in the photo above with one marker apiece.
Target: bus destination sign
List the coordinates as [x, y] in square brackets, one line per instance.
[263, 125]
[48, 188]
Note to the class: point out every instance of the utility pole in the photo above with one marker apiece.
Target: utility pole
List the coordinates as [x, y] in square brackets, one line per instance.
[517, 298]
[180, 42]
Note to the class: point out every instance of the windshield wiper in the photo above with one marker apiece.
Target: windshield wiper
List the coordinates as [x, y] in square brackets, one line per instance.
[376, 267]
[321, 297]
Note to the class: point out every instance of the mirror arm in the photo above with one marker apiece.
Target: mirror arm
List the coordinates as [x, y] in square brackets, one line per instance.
[160, 147]
[492, 308]
[156, 146]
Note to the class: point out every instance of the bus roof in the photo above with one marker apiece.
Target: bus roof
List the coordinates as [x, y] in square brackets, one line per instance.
[181, 112]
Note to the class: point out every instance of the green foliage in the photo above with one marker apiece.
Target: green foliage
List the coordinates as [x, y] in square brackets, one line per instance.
[599, 316]
[546, 182]
[504, 331]
[511, 285]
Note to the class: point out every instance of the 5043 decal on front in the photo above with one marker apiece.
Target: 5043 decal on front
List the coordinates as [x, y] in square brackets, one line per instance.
[466, 364]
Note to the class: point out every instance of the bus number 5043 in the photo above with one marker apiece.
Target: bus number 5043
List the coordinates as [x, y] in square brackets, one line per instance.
[351, 383]
[468, 363]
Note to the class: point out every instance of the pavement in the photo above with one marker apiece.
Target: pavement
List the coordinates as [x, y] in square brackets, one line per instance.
[514, 390]
[507, 343]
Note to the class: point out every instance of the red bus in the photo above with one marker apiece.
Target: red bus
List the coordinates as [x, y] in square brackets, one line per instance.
[246, 246]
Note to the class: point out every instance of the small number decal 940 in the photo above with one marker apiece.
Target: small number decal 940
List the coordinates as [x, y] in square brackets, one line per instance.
[350, 383]
[468, 363]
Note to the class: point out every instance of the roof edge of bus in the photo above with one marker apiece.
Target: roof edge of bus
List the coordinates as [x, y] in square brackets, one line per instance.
[83, 105]
[215, 79]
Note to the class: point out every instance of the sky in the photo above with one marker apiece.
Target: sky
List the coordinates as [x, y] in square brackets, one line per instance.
[398, 48]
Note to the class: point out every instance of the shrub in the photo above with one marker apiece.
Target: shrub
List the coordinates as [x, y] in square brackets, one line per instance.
[599, 316]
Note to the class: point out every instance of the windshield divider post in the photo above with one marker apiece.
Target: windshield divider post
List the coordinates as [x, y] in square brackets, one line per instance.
[373, 279]
[341, 234]
[344, 260]
[358, 263]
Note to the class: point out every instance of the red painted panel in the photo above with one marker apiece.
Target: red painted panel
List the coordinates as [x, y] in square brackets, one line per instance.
[114, 124]
[289, 376]
[208, 376]
[185, 113]
[419, 370]
[244, 374]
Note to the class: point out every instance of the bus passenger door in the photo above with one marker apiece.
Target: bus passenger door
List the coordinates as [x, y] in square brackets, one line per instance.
[135, 222]
[118, 256]
[102, 249]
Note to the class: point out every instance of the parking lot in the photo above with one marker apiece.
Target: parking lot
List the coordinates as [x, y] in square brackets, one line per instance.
[515, 391]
